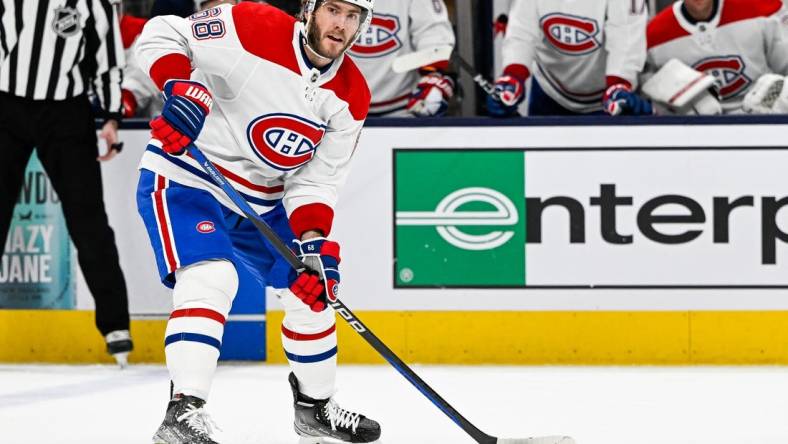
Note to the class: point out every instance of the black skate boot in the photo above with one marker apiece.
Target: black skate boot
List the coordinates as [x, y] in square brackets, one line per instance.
[186, 422]
[323, 420]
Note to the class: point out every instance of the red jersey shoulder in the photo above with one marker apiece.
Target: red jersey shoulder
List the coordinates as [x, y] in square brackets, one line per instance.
[351, 86]
[130, 28]
[266, 32]
[738, 10]
[663, 28]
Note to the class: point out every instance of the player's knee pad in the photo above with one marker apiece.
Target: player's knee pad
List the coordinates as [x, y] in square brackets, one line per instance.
[300, 317]
[208, 284]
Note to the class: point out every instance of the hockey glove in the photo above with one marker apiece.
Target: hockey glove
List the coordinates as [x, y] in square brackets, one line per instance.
[509, 93]
[322, 258]
[620, 100]
[129, 103]
[431, 96]
[186, 105]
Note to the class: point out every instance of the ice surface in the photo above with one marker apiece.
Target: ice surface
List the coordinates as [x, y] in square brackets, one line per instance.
[598, 405]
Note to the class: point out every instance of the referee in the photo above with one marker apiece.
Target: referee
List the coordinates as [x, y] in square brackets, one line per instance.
[52, 53]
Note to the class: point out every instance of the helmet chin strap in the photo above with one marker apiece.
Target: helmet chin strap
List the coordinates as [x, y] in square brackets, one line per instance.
[305, 41]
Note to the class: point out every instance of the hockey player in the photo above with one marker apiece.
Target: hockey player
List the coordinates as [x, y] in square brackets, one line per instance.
[141, 97]
[736, 41]
[400, 27]
[584, 56]
[276, 105]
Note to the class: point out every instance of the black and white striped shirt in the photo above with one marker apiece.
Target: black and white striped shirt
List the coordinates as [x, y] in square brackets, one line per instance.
[55, 50]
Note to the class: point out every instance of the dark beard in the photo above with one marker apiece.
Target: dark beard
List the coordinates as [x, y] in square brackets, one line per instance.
[313, 40]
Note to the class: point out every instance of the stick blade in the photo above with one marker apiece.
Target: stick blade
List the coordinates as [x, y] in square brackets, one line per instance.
[538, 440]
[416, 60]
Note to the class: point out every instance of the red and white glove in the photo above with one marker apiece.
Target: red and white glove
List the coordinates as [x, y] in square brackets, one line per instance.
[129, 103]
[186, 105]
[509, 93]
[322, 258]
[431, 95]
[620, 100]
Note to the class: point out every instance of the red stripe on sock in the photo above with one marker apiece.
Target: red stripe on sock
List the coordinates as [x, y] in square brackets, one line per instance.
[307, 337]
[198, 313]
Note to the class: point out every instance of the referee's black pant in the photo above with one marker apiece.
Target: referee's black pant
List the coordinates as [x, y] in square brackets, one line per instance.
[64, 135]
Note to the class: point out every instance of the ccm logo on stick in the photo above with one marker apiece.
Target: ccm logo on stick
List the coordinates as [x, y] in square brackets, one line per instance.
[345, 313]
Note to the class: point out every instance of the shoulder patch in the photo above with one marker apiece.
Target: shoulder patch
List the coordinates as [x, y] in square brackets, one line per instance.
[738, 10]
[663, 28]
[351, 86]
[130, 28]
[266, 32]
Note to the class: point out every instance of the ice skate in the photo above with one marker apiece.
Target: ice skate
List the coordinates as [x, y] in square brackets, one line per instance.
[119, 345]
[186, 422]
[320, 421]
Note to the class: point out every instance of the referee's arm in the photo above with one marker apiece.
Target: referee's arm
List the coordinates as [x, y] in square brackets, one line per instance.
[103, 43]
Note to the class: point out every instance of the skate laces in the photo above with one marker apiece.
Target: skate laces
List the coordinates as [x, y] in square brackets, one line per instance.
[338, 416]
[198, 420]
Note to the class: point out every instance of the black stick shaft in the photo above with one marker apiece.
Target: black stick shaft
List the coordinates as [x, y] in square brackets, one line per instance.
[339, 306]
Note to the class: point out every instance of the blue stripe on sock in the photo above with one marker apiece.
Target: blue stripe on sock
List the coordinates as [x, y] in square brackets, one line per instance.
[193, 337]
[311, 358]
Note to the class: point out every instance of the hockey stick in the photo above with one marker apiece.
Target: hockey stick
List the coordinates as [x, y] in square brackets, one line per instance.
[355, 323]
[416, 60]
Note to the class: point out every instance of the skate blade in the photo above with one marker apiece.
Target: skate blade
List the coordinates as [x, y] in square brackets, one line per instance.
[538, 440]
[313, 440]
[122, 359]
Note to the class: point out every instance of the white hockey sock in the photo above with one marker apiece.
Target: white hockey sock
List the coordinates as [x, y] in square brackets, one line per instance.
[202, 298]
[310, 343]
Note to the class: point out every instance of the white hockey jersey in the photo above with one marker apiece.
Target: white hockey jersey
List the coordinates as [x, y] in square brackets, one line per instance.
[146, 94]
[398, 27]
[743, 41]
[135, 80]
[572, 47]
[280, 129]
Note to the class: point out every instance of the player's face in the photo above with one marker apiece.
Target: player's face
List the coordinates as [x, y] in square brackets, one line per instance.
[699, 8]
[335, 24]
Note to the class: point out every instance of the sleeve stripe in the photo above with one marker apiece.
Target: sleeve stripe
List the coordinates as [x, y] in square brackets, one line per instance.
[170, 66]
[108, 75]
[3, 37]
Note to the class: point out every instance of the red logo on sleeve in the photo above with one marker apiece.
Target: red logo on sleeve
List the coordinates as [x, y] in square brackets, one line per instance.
[728, 71]
[284, 141]
[379, 39]
[570, 34]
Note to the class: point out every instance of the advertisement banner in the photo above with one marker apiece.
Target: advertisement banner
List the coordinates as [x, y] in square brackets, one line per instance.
[36, 267]
[558, 208]
[457, 224]
[590, 218]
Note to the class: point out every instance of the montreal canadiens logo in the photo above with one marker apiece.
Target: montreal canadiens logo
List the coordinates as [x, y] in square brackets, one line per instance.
[570, 34]
[284, 141]
[379, 39]
[206, 227]
[728, 71]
